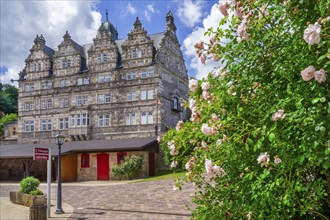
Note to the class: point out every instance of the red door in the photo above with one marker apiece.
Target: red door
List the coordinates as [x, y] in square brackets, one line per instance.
[151, 164]
[103, 166]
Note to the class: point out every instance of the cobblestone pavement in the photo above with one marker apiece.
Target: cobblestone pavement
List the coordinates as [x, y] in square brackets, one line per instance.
[148, 200]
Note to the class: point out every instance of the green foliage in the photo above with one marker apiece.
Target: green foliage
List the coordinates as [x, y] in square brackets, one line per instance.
[36, 192]
[237, 118]
[7, 118]
[8, 99]
[29, 184]
[129, 168]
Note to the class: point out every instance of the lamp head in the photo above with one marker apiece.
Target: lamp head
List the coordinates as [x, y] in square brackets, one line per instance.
[59, 139]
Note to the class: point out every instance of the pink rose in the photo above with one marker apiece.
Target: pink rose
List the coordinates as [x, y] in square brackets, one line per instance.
[192, 85]
[206, 129]
[205, 86]
[278, 115]
[277, 160]
[263, 159]
[320, 76]
[223, 9]
[308, 73]
[312, 34]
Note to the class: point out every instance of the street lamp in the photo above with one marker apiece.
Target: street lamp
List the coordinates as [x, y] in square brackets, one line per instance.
[59, 140]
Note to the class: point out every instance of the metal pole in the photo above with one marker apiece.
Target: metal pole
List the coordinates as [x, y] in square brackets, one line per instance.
[49, 179]
[59, 209]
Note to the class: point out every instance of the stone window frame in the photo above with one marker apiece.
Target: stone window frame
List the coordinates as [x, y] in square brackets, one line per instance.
[46, 125]
[131, 96]
[130, 118]
[28, 126]
[63, 123]
[85, 160]
[28, 106]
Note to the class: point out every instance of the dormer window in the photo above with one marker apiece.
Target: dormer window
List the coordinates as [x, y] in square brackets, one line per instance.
[35, 67]
[99, 58]
[68, 63]
[63, 63]
[39, 66]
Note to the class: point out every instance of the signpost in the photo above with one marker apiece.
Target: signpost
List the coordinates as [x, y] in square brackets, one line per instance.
[45, 154]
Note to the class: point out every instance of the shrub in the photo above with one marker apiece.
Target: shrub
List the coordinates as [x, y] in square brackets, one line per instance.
[29, 184]
[36, 192]
[117, 171]
[257, 143]
[130, 167]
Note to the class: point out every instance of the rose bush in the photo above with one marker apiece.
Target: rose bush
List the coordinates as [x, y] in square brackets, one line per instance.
[257, 143]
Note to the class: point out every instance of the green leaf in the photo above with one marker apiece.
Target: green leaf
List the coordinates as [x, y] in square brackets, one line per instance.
[271, 137]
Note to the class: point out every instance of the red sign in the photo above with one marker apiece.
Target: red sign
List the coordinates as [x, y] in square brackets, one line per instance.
[38, 150]
[40, 157]
[40, 153]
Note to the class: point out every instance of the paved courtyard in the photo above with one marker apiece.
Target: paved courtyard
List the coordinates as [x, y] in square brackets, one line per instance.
[99, 200]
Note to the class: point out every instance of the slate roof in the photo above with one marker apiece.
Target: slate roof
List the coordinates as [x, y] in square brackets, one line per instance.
[132, 144]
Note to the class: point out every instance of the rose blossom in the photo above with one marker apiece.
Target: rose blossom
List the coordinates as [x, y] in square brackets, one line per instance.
[277, 160]
[199, 45]
[203, 59]
[238, 13]
[205, 95]
[308, 73]
[190, 163]
[179, 125]
[312, 34]
[242, 30]
[223, 9]
[263, 159]
[206, 129]
[192, 103]
[214, 130]
[205, 86]
[192, 85]
[278, 115]
[320, 76]
[173, 150]
[212, 171]
[174, 164]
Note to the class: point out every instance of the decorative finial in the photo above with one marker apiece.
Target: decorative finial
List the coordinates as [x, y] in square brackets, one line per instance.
[137, 23]
[106, 14]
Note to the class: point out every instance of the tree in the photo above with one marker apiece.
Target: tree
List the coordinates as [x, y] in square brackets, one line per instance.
[260, 141]
[6, 118]
[8, 98]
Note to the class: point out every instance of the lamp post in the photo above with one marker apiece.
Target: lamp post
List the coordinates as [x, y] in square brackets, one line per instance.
[59, 140]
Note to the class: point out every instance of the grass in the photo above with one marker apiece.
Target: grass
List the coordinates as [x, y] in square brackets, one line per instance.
[162, 174]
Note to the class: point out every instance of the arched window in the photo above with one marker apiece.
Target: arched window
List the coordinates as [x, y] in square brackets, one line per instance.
[176, 104]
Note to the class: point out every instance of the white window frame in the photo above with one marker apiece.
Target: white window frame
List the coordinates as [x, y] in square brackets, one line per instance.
[100, 99]
[107, 98]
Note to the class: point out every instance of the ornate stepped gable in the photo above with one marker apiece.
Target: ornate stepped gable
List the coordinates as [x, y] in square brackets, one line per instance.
[69, 58]
[138, 49]
[39, 62]
[103, 52]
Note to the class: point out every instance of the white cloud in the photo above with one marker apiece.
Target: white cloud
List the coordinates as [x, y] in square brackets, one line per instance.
[21, 21]
[200, 70]
[150, 9]
[190, 12]
[130, 9]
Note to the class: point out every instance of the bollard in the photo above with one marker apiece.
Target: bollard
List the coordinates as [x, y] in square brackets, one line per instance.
[38, 212]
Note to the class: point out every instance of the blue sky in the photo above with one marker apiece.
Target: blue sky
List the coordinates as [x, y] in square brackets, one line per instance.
[22, 20]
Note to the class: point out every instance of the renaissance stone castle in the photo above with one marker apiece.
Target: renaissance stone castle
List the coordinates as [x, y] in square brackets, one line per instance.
[112, 88]
[110, 99]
